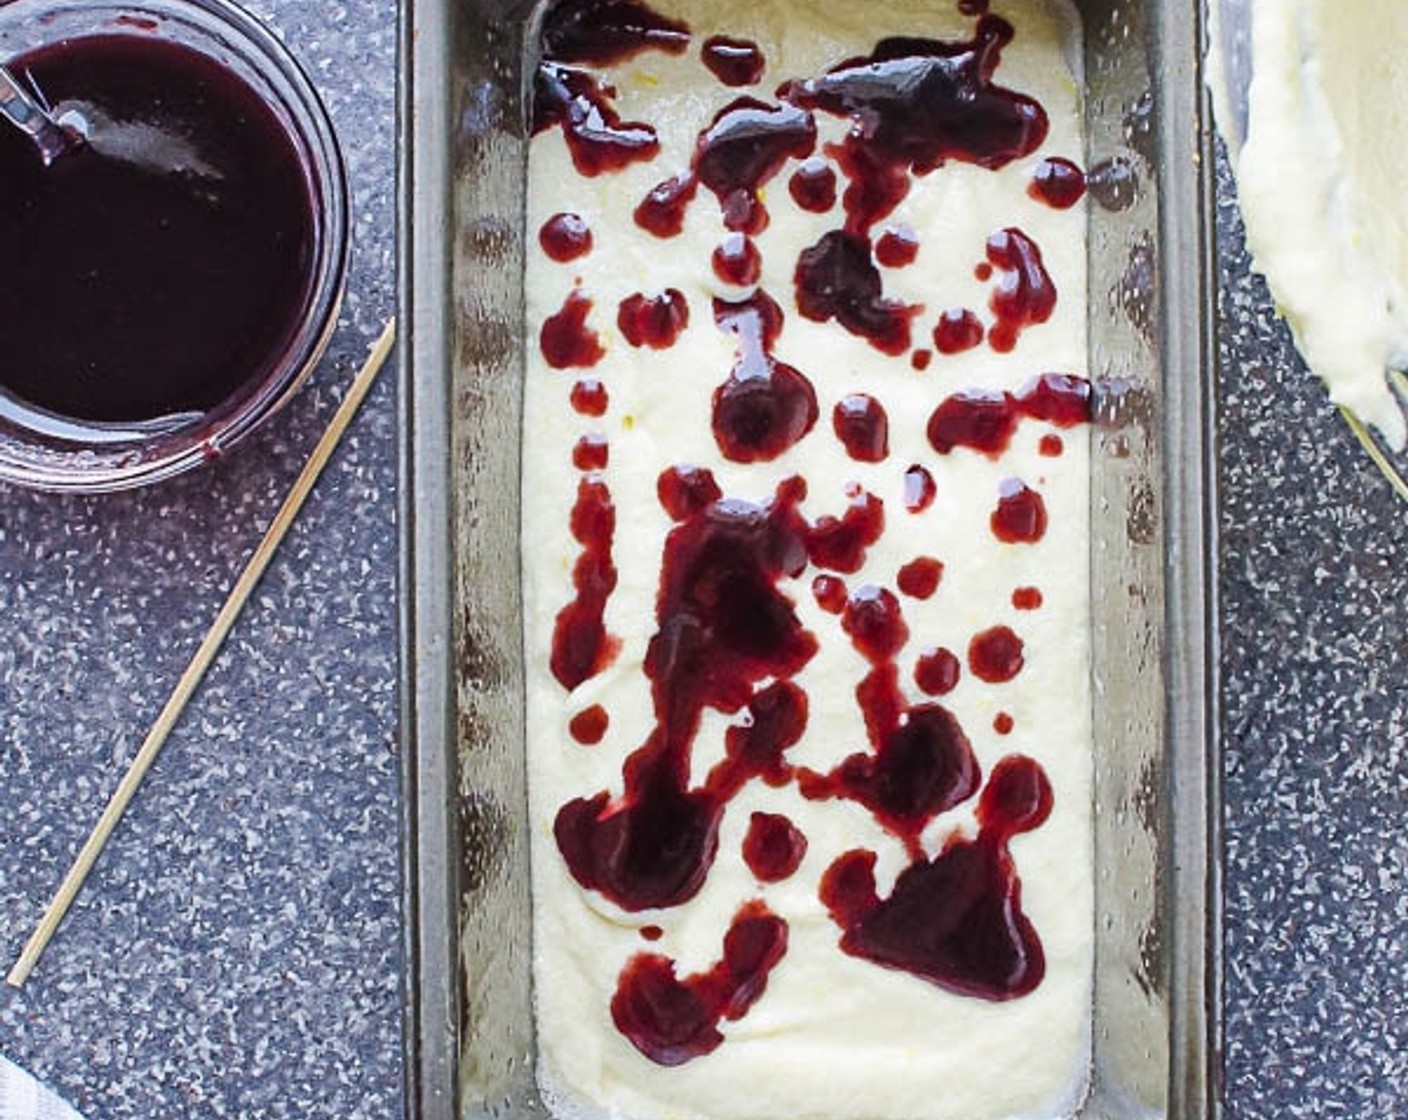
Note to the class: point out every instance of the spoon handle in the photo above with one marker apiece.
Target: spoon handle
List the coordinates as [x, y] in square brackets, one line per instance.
[22, 109]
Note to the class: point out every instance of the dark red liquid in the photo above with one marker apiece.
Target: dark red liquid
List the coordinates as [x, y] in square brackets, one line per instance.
[581, 647]
[591, 452]
[839, 543]
[995, 655]
[920, 578]
[1027, 598]
[813, 186]
[920, 359]
[131, 292]
[1025, 296]
[589, 726]
[743, 149]
[958, 330]
[672, 1021]
[919, 489]
[582, 107]
[1020, 516]
[589, 397]
[1050, 445]
[1057, 182]
[735, 62]
[565, 338]
[565, 237]
[602, 32]
[897, 248]
[836, 279]
[653, 321]
[862, 427]
[937, 671]
[766, 406]
[685, 491]
[1003, 723]
[662, 211]
[773, 848]
[984, 420]
[830, 594]
[737, 260]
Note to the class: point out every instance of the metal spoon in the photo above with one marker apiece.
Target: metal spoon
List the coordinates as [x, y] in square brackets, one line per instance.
[22, 109]
[74, 124]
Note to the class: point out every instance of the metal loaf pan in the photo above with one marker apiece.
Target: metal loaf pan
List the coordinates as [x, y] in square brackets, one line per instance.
[469, 1031]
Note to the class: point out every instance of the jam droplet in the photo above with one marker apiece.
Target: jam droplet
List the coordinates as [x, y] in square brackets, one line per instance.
[589, 397]
[920, 359]
[591, 452]
[651, 933]
[916, 103]
[766, 406]
[565, 338]
[958, 330]
[995, 655]
[897, 247]
[937, 671]
[919, 489]
[581, 647]
[743, 149]
[565, 237]
[603, 32]
[862, 427]
[1027, 598]
[813, 186]
[920, 578]
[589, 726]
[984, 420]
[1025, 295]
[724, 627]
[735, 62]
[737, 260]
[839, 543]
[684, 491]
[654, 321]
[1003, 723]
[597, 139]
[875, 623]
[1057, 182]
[1020, 516]
[1050, 445]
[662, 211]
[830, 593]
[672, 1021]
[774, 847]
[836, 279]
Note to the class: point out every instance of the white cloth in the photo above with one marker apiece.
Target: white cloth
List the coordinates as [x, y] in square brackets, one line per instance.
[23, 1098]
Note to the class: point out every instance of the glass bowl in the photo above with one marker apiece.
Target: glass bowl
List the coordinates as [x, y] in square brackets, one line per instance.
[45, 450]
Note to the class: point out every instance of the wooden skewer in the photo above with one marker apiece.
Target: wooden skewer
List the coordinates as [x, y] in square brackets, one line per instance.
[191, 678]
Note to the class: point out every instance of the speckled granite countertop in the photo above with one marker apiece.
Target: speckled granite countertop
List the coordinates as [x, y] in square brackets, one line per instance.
[236, 954]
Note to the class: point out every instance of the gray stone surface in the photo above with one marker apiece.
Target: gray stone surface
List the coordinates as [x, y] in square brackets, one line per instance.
[1314, 575]
[237, 951]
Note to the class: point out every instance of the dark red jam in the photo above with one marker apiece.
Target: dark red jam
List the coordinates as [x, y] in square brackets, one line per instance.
[565, 237]
[685, 491]
[589, 726]
[862, 427]
[1025, 295]
[920, 578]
[955, 920]
[1057, 182]
[566, 340]
[919, 489]
[589, 397]
[155, 270]
[830, 593]
[1003, 723]
[597, 139]
[897, 247]
[958, 330]
[937, 671]
[603, 32]
[984, 420]
[1020, 516]
[813, 186]
[735, 62]
[995, 655]
[1027, 598]
[1050, 445]
[672, 1020]
[743, 149]
[581, 647]
[839, 543]
[591, 452]
[653, 321]
[920, 359]
[724, 628]
[773, 848]
[651, 933]
[662, 211]
[766, 406]
[737, 260]
[836, 279]
[917, 103]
